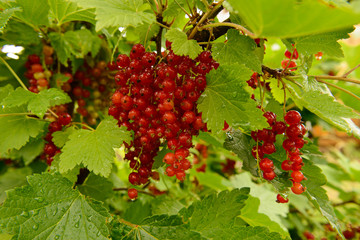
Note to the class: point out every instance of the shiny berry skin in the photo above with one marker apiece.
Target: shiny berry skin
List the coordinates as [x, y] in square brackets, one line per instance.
[308, 235]
[134, 178]
[297, 188]
[349, 234]
[137, 51]
[123, 61]
[288, 64]
[296, 159]
[54, 127]
[271, 117]
[181, 175]
[268, 148]
[170, 171]
[266, 165]
[286, 165]
[269, 175]
[279, 127]
[64, 119]
[132, 193]
[169, 158]
[293, 131]
[281, 199]
[288, 145]
[50, 149]
[148, 59]
[292, 117]
[297, 176]
[295, 54]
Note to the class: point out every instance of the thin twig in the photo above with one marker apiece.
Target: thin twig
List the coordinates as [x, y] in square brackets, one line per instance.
[162, 25]
[140, 191]
[83, 124]
[15, 114]
[351, 70]
[340, 88]
[204, 17]
[346, 202]
[14, 74]
[184, 10]
[229, 24]
[336, 78]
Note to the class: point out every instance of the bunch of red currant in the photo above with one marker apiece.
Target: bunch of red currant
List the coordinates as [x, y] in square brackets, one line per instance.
[158, 102]
[50, 150]
[265, 138]
[289, 63]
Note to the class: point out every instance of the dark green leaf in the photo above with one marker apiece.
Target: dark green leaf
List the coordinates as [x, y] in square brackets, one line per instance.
[94, 149]
[96, 187]
[68, 213]
[238, 143]
[238, 49]
[225, 98]
[5, 16]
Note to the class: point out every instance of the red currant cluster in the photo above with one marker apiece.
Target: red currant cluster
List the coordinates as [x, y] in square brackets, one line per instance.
[201, 158]
[228, 167]
[294, 141]
[253, 81]
[158, 102]
[91, 85]
[289, 63]
[265, 139]
[50, 150]
[38, 78]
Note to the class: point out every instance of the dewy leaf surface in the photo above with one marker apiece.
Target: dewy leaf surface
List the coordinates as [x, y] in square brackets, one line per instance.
[225, 98]
[119, 13]
[94, 149]
[68, 214]
[237, 49]
[291, 18]
[181, 45]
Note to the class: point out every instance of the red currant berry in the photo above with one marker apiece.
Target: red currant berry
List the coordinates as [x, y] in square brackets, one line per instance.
[132, 193]
[297, 188]
[281, 199]
[292, 117]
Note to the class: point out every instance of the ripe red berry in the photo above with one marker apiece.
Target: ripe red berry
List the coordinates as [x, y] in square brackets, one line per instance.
[271, 117]
[269, 175]
[279, 127]
[286, 165]
[268, 148]
[297, 188]
[134, 178]
[281, 199]
[132, 193]
[266, 165]
[292, 117]
[169, 158]
[297, 176]
[180, 175]
[170, 171]
[64, 119]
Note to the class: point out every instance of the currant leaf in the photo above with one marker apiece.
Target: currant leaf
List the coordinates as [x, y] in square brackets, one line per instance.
[225, 98]
[69, 214]
[94, 149]
[237, 49]
[181, 45]
[36, 103]
[5, 17]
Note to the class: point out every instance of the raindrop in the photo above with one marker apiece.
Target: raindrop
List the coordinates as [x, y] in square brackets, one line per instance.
[57, 237]
[98, 233]
[77, 225]
[55, 211]
[39, 199]
[35, 226]
[234, 94]
[24, 214]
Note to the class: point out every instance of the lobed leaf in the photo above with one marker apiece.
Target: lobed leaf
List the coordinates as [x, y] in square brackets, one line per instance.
[181, 45]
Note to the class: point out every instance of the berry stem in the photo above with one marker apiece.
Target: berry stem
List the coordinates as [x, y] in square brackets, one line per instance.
[204, 17]
[229, 24]
[184, 10]
[14, 74]
[351, 70]
[339, 88]
[83, 124]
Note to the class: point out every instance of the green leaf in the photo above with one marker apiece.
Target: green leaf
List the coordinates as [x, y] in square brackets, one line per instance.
[30, 151]
[238, 49]
[317, 195]
[37, 103]
[96, 187]
[74, 43]
[19, 33]
[251, 216]
[247, 233]
[239, 143]
[13, 177]
[277, 90]
[61, 137]
[5, 16]
[181, 45]
[318, 99]
[211, 179]
[294, 18]
[64, 11]
[34, 13]
[136, 212]
[215, 212]
[174, 9]
[94, 149]
[324, 42]
[5, 91]
[225, 98]
[17, 130]
[153, 228]
[120, 13]
[68, 213]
